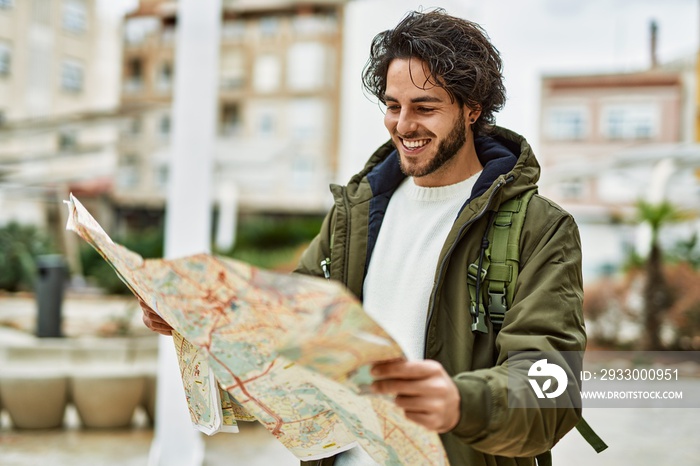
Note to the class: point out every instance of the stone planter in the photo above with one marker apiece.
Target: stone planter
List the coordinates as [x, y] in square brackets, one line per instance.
[105, 378]
[148, 402]
[107, 399]
[36, 399]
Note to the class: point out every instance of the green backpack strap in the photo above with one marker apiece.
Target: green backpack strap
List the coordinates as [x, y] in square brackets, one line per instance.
[591, 437]
[498, 264]
[497, 270]
[503, 255]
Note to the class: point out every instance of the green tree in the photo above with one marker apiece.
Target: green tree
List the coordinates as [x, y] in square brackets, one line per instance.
[19, 247]
[658, 296]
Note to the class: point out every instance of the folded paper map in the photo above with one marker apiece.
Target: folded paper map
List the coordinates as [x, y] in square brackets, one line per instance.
[287, 350]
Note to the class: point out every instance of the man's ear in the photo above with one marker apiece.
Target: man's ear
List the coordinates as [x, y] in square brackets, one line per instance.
[472, 114]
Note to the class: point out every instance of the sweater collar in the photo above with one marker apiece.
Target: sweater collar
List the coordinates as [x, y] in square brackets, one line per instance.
[497, 156]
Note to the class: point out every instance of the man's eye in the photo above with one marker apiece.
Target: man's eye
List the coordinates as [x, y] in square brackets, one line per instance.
[425, 109]
[393, 108]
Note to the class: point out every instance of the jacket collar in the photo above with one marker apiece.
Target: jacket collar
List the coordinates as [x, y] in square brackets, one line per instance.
[500, 152]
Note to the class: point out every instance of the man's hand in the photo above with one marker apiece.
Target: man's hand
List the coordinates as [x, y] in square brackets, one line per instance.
[423, 389]
[155, 322]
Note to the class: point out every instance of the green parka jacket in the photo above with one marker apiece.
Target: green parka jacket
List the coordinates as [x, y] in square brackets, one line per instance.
[546, 313]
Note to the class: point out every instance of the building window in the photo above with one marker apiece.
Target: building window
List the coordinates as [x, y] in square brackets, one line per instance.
[161, 176]
[266, 75]
[266, 125]
[165, 76]
[164, 126]
[74, 16]
[306, 25]
[72, 76]
[6, 4]
[134, 75]
[265, 120]
[306, 119]
[231, 123]
[566, 123]
[5, 59]
[133, 127]
[269, 26]
[630, 121]
[67, 141]
[167, 35]
[306, 66]
[302, 172]
[233, 30]
[232, 74]
[128, 172]
[137, 30]
[571, 190]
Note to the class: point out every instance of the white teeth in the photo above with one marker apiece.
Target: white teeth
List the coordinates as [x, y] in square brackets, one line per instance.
[415, 144]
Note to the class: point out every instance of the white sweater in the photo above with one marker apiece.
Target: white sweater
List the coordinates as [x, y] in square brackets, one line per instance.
[401, 271]
[402, 268]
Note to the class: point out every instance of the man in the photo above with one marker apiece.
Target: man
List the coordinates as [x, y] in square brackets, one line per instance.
[404, 230]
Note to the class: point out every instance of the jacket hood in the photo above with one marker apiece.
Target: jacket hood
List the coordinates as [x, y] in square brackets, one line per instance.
[502, 152]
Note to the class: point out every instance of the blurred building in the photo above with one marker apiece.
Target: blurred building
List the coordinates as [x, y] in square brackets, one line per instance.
[278, 99]
[697, 97]
[58, 92]
[609, 140]
[47, 52]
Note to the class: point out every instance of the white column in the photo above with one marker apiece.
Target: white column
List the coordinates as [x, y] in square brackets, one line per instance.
[188, 211]
[227, 194]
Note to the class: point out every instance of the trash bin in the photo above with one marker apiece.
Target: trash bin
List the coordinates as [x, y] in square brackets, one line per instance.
[52, 273]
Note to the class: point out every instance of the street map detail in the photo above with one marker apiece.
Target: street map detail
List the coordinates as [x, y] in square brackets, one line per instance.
[287, 350]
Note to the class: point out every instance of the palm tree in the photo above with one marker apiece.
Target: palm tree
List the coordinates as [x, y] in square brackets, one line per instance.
[657, 293]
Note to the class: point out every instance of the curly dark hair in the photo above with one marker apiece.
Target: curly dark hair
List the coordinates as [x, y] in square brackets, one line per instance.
[459, 55]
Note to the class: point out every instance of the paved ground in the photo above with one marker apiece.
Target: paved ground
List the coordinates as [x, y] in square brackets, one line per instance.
[640, 437]
[73, 446]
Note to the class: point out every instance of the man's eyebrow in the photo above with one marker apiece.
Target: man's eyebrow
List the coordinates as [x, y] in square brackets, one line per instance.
[417, 100]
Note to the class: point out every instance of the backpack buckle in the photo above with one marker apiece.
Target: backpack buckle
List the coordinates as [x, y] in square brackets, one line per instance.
[497, 307]
[474, 275]
[478, 319]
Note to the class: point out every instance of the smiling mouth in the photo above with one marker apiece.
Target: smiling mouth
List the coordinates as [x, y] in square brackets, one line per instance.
[414, 144]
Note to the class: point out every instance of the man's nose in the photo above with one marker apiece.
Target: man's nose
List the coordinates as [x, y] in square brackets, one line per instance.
[406, 124]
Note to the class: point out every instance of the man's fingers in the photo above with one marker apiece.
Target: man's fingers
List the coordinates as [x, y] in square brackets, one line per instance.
[416, 404]
[402, 369]
[159, 327]
[400, 387]
[155, 322]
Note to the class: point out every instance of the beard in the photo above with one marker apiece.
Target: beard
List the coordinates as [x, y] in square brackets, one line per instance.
[446, 150]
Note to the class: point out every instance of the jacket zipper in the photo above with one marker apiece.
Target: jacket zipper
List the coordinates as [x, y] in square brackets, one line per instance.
[441, 270]
[326, 262]
[326, 267]
[346, 204]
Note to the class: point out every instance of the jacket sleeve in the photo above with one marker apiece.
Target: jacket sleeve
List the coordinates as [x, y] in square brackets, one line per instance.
[545, 316]
[318, 250]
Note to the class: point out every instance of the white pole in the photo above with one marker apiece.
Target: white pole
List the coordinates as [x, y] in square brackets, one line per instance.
[188, 211]
[228, 215]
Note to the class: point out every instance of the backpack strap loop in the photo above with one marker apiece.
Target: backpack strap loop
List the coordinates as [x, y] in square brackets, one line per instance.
[590, 436]
[476, 308]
